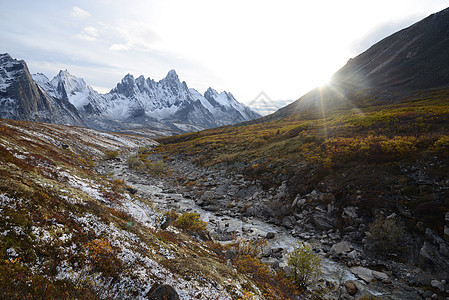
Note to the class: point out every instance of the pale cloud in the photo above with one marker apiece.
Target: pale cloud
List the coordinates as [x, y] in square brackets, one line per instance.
[118, 47]
[89, 33]
[136, 36]
[79, 13]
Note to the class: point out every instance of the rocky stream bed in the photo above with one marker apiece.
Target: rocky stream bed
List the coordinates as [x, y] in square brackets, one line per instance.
[236, 208]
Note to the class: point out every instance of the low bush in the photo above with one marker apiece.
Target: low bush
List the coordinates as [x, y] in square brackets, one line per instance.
[111, 154]
[306, 266]
[191, 222]
[385, 235]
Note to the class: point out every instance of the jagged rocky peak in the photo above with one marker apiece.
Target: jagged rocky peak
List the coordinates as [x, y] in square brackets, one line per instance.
[126, 87]
[172, 82]
[22, 99]
[10, 68]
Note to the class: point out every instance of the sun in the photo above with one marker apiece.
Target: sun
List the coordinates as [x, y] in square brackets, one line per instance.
[322, 79]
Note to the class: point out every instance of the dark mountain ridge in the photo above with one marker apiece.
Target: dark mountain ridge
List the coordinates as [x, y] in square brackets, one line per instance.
[410, 60]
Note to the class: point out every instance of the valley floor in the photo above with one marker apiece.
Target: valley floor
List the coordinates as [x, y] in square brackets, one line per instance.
[233, 208]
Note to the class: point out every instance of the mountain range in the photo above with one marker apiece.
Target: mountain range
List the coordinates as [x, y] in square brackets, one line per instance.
[135, 105]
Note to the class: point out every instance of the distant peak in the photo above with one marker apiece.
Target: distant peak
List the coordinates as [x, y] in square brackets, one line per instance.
[128, 77]
[172, 72]
[64, 73]
[211, 91]
[171, 75]
[5, 55]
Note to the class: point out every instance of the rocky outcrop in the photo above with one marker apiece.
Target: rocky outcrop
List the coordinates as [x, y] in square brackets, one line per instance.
[164, 292]
[22, 99]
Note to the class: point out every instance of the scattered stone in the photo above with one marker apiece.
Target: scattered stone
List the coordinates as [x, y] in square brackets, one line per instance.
[427, 294]
[165, 223]
[131, 190]
[270, 235]
[353, 254]
[164, 292]
[381, 276]
[340, 248]
[277, 250]
[230, 254]
[437, 284]
[363, 273]
[322, 222]
[351, 287]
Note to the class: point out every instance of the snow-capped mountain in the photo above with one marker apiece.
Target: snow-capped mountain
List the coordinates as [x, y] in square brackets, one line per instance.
[138, 105]
[22, 99]
[135, 102]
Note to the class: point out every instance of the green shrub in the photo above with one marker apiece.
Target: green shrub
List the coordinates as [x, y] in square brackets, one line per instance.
[385, 235]
[305, 264]
[111, 154]
[192, 223]
[133, 161]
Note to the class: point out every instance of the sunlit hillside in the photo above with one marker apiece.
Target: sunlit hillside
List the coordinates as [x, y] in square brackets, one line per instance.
[372, 150]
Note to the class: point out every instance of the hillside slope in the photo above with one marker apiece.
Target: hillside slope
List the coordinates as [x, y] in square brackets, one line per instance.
[70, 232]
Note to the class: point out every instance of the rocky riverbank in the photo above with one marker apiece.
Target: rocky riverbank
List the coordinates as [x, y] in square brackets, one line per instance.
[236, 207]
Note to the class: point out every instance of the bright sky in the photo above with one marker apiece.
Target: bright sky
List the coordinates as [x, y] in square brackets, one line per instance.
[283, 48]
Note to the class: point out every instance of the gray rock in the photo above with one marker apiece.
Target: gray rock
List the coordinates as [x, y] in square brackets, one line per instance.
[431, 260]
[165, 223]
[288, 222]
[437, 284]
[381, 276]
[349, 215]
[444, 250]
[321, 221]
[427, 294]
[270, 235]
[363, 273]
[353, 254]
[351, 287]
[164, 292]
[340, 248]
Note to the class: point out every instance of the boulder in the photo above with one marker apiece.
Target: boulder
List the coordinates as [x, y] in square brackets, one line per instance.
[351, 287]
[381, 276]
[353, 254]
[288, 222]
[340, 248]
[437, 284]
[164, 292]
[363, 273]
[322, 222]
[270, 235]
[165, 223]
[430, 259]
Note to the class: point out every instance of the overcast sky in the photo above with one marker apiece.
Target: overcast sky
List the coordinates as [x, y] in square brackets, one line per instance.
[282, 48]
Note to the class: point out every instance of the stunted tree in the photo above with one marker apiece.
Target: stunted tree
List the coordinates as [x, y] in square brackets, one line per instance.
[305, 264]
